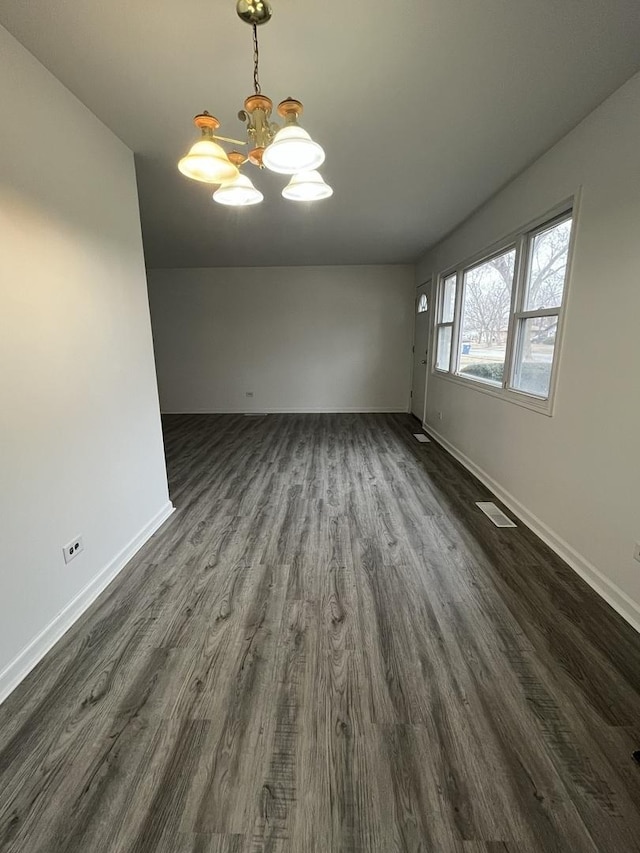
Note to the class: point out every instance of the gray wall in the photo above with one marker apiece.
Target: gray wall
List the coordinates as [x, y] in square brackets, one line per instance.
[300, 338]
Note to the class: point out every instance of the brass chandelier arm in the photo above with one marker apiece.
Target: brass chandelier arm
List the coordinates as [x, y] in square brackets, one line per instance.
[228, 139]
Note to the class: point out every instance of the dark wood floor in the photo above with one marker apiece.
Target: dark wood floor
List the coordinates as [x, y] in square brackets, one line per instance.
[328, 648]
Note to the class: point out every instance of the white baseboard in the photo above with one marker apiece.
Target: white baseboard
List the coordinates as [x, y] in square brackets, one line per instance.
[301, 410]
[612, 594]
[25, 661]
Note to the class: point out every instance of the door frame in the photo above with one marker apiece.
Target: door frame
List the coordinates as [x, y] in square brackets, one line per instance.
[428, 283]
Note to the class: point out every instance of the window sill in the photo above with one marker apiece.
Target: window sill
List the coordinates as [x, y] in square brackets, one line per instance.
[534, 404]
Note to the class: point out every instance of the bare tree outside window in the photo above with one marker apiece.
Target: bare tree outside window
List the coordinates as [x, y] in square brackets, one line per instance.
[537, 322]
[486, 306]
[547, 267]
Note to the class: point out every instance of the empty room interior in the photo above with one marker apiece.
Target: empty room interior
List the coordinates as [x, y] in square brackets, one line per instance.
[320, 426]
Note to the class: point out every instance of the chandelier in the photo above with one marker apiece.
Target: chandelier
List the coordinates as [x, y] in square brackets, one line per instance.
[286, 149]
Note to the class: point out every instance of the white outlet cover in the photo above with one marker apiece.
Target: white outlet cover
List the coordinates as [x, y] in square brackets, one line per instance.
[72, 549]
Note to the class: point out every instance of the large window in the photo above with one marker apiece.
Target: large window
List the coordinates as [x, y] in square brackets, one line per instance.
[499, 318]
[484, 324]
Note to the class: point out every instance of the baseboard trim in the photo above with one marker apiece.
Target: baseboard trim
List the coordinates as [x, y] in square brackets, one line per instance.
[612, 594]
[33, 653]
[348, 410]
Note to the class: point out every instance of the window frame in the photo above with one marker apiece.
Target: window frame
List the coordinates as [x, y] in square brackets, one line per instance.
[522, 241]
[465, 268]
[442, 324]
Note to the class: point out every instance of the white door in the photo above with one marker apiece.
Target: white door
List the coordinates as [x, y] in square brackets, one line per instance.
[420, 347]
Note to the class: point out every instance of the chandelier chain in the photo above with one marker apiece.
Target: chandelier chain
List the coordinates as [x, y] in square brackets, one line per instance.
[256, 60]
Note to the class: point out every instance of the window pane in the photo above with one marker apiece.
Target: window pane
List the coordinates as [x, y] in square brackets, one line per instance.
[444, 347]
[448, 299]
[534, 355]
[547, 267]
[485, 318]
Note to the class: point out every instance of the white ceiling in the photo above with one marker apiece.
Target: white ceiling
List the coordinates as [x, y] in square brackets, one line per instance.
[424, 107]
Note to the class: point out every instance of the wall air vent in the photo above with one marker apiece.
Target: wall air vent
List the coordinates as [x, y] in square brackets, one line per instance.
[495, 514]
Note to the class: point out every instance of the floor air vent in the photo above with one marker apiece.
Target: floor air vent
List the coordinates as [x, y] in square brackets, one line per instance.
[495, 514]
[421, 437]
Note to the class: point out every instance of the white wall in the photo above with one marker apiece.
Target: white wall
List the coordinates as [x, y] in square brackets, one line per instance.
[80, 440]
[301, 338]
[576, 476]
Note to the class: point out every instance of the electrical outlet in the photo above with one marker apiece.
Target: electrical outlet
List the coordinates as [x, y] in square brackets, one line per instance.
[636, 552]
[248, 393]
[73, 549]
[439, 416]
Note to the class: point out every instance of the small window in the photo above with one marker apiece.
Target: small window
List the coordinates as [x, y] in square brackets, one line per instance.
[444, 325]
[443, 355]
[423, 305]
[449, 299]
[537, 322]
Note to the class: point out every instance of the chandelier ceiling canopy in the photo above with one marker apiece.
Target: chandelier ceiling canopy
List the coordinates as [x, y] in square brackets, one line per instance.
[286, 150]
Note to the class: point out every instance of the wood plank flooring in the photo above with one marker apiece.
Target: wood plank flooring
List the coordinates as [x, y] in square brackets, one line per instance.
[328, 648]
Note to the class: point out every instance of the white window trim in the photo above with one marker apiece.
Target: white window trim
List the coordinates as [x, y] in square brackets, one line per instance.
[444, 325]
[519, 239]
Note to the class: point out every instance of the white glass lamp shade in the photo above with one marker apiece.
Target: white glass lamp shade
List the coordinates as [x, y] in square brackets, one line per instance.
[292, 151]
[307, 186]
[207, 161]
[239, 192]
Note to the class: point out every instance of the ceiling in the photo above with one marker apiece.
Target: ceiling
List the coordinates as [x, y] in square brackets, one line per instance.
[424, 107]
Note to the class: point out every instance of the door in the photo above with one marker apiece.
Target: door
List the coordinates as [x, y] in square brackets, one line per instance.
[420, 347]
